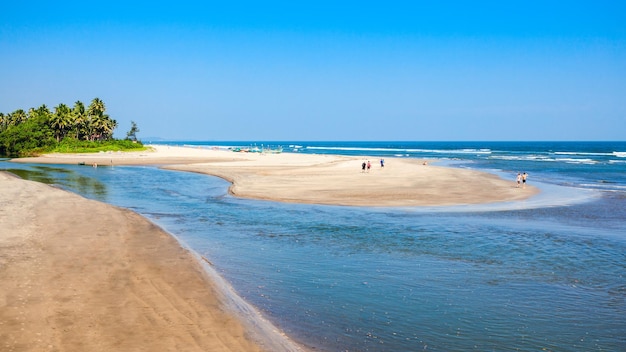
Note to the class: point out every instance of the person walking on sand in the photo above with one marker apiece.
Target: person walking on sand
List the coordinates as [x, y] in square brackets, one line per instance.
[363, 167]
[382, 162]
[524, 177]
[519, 179]
[369, 166]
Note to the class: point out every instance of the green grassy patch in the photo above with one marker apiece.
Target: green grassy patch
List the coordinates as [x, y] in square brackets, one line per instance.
[75, 146]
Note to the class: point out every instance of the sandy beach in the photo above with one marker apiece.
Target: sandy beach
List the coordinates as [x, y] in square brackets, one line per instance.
[319, 179]
[79, 275]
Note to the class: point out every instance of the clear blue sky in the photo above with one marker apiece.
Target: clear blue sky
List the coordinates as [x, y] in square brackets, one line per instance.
[325, 70]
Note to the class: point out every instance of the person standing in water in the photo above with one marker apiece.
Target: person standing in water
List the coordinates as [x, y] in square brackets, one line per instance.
[524, 177]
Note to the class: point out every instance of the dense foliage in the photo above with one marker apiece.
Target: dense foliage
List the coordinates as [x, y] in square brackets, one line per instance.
[75, 129]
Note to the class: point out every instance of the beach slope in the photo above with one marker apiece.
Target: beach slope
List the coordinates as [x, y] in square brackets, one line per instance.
[80, 275]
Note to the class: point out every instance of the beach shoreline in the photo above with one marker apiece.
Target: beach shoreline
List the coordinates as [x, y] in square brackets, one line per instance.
[319, 179]
[105, 278]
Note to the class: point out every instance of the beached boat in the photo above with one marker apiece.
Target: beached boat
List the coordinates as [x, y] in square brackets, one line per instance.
[246, 150]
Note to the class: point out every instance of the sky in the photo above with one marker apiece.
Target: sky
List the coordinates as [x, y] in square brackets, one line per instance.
[325, 70]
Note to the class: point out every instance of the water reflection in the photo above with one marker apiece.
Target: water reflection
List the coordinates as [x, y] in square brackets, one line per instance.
[32, 175]
[64, 177]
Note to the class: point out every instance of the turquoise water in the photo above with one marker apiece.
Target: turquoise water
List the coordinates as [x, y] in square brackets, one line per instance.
[544, 274]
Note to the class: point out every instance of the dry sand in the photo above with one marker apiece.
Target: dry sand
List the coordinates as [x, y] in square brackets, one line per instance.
[79, 275]
[321, 179]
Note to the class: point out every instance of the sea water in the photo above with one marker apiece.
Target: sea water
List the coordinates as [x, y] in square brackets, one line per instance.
[545, 274]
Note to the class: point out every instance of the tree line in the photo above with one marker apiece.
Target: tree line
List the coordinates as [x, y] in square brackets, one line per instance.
[39, 130]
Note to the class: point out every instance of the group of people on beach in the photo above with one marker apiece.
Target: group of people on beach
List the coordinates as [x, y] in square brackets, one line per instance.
[367, 165]
[521, 179]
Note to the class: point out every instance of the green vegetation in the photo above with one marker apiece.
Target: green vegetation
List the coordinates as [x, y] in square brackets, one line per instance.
[66, 130]
[69, 145]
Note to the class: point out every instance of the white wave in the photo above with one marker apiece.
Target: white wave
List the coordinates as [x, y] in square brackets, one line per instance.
[604, 186]
[505, 157]
[584, 153]
[577, 161]
[540, 158]
[522, 158]
[458, 151]
[619, 154]
[407, 150]
[355, 148]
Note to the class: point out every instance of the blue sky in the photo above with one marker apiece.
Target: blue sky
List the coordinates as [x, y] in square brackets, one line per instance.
[325, 70]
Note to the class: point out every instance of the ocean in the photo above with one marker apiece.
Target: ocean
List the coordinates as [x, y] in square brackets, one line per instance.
[545, 274]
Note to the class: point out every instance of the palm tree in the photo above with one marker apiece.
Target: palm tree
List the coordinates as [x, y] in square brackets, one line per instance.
[43, 112]
[80, 118]
[32, 113]
[98, 125]
[103, 127]
[60, 121]
[96, 118]
[16, 117]
[110, 127]
[96, 107]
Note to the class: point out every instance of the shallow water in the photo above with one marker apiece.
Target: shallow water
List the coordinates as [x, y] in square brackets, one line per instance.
[545, 276]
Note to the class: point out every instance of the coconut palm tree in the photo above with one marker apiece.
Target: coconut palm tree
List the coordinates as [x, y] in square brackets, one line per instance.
[44, 112]
[96, 107]
[110, 127]
[3, 122]
[96, 118]
[98, 124]
[103, 127]
[17, 117]
[80, 119]
[32, 113]
[60, 121]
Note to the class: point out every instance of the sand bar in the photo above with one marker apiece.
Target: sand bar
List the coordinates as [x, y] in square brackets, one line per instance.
[80, 275]
[320, 179]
